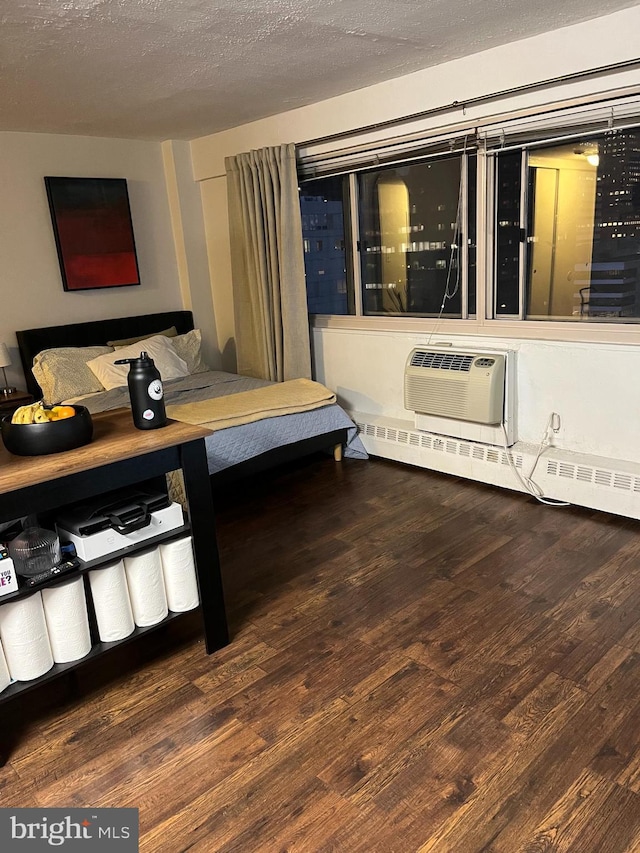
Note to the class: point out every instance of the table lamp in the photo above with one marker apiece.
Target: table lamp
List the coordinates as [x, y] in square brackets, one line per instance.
[5, 361]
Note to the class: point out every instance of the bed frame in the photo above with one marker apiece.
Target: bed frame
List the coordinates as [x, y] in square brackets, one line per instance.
[93, 333]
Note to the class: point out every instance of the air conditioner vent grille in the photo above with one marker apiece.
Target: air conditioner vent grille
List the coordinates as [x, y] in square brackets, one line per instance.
[442, 360]
[459, 385]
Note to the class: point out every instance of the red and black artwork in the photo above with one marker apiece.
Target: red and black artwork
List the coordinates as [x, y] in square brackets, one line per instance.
[94, 235]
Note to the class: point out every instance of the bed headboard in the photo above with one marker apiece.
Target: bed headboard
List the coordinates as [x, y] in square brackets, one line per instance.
[93, 333]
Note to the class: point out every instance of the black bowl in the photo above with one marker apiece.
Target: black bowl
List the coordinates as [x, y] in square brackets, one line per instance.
[52, 437]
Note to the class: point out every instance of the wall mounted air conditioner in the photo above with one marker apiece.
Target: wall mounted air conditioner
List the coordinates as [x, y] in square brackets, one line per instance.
[462, 393]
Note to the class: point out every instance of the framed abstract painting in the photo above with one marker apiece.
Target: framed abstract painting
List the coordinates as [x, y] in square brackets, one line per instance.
[93, 232]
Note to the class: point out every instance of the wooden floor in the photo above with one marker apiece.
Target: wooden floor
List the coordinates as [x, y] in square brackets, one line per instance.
[419, 663]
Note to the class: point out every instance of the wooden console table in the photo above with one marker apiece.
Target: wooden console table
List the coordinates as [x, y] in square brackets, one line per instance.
[120, 455]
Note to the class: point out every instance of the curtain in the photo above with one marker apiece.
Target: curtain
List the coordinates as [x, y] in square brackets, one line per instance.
[267, 265]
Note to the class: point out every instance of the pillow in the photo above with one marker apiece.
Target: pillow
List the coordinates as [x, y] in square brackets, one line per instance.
[188, 348]
[63, 373]
[167, 333]
[166, 359]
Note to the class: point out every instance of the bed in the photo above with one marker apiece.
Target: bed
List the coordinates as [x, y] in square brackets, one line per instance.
[232, 452]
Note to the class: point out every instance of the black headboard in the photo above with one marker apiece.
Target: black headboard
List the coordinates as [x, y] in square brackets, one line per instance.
[93, 333]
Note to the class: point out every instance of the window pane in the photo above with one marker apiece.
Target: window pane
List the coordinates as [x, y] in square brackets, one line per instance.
[322, 205]
[508, 234]
[584, 229]
[409, 221]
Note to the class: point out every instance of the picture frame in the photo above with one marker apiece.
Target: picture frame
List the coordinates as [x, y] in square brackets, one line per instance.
[93, 231]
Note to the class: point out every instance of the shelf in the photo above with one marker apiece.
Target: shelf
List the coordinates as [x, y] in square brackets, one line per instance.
[107, 560]
[57, 669]
[119, 456]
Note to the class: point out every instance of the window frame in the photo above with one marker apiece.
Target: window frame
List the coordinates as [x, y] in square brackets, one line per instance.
[493, 135]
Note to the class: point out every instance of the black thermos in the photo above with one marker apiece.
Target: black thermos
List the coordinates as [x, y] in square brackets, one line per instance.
[145, 391]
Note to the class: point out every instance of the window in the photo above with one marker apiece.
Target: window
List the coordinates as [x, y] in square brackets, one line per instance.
[413, 235]
[415, 253]
[567, 226]
[553, 202]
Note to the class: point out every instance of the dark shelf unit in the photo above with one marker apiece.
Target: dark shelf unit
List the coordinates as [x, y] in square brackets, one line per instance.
[119, 457]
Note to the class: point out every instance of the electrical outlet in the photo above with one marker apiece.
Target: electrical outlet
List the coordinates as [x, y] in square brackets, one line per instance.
[555, 422]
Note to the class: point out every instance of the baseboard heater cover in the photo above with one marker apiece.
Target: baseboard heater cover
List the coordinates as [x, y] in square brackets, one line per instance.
[596, 482]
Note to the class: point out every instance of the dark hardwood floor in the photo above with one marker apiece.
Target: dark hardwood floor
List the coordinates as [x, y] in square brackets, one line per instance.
[418, 663]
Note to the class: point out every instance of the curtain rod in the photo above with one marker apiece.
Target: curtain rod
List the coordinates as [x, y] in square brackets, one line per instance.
[478, 99]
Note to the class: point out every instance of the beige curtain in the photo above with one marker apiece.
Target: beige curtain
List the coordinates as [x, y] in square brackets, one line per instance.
[267, 264]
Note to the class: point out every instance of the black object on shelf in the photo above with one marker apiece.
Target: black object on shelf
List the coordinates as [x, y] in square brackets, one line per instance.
[51, 437]
[124, 510]
[60, 568]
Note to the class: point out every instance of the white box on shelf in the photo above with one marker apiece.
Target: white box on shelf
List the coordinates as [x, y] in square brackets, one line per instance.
[8, 577]
[106, 542]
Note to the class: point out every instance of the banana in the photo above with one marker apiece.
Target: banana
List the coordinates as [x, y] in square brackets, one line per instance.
[40, 416]
[27, 415]
[19, 414]
[33, 413]
[34, 417]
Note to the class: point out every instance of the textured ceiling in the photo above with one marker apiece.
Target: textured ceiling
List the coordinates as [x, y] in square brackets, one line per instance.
[159, 69]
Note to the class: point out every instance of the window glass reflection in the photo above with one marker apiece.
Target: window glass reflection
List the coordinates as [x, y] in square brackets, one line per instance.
[410, 238]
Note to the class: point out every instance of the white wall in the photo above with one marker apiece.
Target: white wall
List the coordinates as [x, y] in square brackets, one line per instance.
[592, 386]
[30, 281]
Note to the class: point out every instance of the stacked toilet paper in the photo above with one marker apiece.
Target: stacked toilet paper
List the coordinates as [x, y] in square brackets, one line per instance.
[65, 611]
[146, 588]
[52, 626]
[179, 573]
[111, 602]
[25, 639]
[47, 627]
[141, 589]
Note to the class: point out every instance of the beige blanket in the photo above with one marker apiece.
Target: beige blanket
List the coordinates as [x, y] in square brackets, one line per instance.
[283, 398]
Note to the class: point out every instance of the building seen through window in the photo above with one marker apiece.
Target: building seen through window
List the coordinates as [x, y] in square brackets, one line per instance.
[323, 232]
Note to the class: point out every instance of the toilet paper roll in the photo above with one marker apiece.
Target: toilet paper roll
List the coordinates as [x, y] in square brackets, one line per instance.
[5, 678]
[23, 632]
[146, 588]
[65, 610]
[179, 572]
[111, 602]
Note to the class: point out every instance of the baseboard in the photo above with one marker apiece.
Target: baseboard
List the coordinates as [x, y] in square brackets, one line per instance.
[610, 485]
